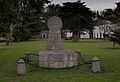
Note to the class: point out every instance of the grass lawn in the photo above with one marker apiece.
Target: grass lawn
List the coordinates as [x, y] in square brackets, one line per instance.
[110, 63]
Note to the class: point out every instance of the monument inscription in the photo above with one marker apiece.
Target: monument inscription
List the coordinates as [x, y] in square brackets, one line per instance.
[58, 57]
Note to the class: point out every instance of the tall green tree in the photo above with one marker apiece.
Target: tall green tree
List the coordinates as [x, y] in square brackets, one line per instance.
[31, 13]
[20, 14]
[9, 17]
[117, 13]
[77, 18]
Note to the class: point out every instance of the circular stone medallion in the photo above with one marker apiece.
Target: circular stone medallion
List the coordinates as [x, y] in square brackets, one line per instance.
[54, 23]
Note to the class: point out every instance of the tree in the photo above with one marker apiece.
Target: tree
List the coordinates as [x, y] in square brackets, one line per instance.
[53, 10]
[105, 21]
[76, 18]
[19, 14]
[109, 19]
[31, 13]
[9, 17]
[117, 13]
[114, 37]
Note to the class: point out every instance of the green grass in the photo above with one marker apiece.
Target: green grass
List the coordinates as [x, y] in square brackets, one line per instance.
[109, 57]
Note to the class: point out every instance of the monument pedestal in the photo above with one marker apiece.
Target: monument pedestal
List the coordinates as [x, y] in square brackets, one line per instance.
[57, 59]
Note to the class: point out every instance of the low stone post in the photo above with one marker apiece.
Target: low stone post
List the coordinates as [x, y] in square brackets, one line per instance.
[96, 65]
[21, 67]
[28, 56]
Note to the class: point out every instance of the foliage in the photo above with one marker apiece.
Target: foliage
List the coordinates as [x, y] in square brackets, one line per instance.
[31, 12]
[114, 37]
[111, 16]
[76, 17]
[8, 13]
[18, 15]
[53, 10]
[117, 13]
[104, 20]
[108, 19]
[9, 18]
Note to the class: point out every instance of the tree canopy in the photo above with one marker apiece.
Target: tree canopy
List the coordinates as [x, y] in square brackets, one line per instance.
[18, 17]
[109, 21]
[76, 18]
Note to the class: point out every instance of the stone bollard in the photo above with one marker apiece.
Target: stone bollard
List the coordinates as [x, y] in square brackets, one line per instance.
[96, 65]
[28, 56]
[21, 67]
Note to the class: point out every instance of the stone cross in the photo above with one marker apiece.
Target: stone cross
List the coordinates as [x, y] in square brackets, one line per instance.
[54, 38]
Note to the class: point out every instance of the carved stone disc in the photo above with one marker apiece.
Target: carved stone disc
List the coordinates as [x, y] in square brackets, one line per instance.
[54, 23]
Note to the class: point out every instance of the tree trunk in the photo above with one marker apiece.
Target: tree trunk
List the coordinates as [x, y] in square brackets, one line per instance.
[63, 34]
[91, 34]
[76, 36]
[105, 37]
[9, 35]
[9, 39]
[18, 39]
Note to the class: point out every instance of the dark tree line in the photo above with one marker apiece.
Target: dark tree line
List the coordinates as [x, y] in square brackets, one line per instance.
[76, 17]
[21, 18]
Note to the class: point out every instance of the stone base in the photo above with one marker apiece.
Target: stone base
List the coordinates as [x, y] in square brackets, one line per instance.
[57, 59]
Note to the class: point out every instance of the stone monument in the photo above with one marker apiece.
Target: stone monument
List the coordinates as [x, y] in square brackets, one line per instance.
[21, 67]
[96, 65]
[55, 56]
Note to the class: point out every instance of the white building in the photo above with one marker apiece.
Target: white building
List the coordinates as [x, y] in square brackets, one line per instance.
[84, 35]
[97, 33]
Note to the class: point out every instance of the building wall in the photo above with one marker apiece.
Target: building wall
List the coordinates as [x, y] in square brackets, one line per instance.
[43, 34]
[97, 33]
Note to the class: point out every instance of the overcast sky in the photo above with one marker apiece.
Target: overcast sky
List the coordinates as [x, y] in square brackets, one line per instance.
[93, 4]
